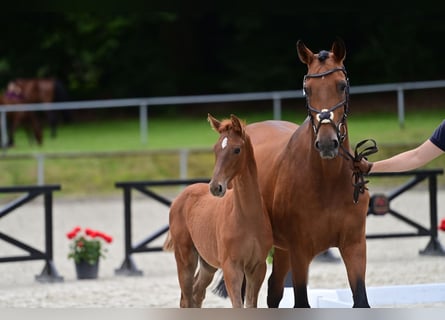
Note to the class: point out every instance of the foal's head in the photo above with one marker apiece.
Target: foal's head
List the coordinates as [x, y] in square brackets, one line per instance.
[230, 152]
[326, 88]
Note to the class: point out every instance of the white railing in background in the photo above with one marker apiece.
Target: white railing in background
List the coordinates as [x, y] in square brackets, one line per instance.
[144, 103]
[40, 158]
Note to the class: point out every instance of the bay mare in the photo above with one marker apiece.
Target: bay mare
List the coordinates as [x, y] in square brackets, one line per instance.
[33, 90]
[306, 182]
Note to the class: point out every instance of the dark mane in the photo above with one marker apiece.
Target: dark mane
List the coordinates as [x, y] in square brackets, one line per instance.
[323, 55]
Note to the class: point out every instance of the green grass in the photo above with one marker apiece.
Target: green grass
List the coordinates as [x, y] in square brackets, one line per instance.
[97, 175]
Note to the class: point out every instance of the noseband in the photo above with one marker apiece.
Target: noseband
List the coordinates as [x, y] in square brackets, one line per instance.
[326, 116]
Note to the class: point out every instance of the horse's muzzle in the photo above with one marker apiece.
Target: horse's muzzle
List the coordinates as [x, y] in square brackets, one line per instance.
[217, 189]
[328, 148]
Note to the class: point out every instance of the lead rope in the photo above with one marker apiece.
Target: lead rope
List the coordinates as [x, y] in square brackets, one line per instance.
[358, 177]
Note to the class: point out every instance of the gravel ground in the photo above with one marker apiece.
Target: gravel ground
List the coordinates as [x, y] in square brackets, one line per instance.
[390, 261]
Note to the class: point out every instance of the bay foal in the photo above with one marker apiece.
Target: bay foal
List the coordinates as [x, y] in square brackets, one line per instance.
[225, 227]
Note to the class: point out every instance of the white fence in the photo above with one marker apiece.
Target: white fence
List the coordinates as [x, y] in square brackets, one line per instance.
[144, 103]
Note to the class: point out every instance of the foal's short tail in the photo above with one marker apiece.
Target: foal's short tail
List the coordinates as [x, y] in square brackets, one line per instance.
[168, 244]
[221, 289]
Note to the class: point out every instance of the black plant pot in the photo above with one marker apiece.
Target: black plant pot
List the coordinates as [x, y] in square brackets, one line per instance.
[84, 270]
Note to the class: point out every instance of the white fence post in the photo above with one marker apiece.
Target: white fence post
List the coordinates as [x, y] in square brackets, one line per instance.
[143, 122]
[183, 163]
[4, 131]
[276, 106]
[40, 169]
[401, 106]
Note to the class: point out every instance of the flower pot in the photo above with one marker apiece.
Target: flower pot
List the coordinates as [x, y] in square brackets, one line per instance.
[84, 270]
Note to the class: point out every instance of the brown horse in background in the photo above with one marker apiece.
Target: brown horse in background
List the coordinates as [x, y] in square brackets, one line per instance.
[227, 229]
[306, 182]
[29, 120]
[33, 90]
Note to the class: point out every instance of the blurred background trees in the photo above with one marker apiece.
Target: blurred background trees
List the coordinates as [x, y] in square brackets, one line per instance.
[183, 52]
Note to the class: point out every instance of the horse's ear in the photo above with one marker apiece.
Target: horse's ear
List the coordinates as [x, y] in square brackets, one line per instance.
[214, 123]
[306, 56]
[339, 50]
[237, 124]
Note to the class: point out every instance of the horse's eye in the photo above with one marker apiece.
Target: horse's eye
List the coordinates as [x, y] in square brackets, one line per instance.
[237, 150]
[342, 86]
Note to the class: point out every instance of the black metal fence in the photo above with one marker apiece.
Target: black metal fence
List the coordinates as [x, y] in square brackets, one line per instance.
[49, 272]
[128, 266]
[434, 247]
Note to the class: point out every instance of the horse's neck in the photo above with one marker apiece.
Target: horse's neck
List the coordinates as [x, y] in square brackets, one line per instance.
[246, 189]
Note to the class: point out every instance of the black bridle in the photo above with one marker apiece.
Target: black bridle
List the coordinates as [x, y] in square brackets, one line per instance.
[326, 115]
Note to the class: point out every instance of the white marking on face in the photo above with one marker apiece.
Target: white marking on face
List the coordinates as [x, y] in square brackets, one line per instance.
[224, 143]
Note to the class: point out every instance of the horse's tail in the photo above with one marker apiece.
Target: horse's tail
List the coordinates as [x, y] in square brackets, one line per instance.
[60, 92]
[168, 244]
[221, 289]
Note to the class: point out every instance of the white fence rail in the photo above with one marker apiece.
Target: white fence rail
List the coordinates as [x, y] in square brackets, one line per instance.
[40, 158]
[144, 103]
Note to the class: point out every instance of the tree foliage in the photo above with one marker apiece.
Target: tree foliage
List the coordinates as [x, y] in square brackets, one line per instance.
[181, 52]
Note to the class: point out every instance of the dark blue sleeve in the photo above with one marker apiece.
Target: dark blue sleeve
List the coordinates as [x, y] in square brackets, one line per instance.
[438, 136]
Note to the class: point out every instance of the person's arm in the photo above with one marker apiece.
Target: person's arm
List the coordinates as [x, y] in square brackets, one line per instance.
[408, 160]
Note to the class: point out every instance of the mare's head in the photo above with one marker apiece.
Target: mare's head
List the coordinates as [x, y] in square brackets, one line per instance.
[13, 93]
[229, 152]
[326, 88]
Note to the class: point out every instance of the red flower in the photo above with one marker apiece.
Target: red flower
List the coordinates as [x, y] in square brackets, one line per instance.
[72, 234]
[105, 236]
[91, 233]
[442, 225]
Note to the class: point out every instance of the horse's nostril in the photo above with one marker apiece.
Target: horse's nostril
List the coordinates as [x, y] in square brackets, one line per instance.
[317, 145]
[220, 189]
[336, 144]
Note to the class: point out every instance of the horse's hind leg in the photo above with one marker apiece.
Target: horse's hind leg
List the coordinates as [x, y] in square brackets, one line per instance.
[280, 268]
[36, 128]
[202, 280]
[354, 257]
[186, 262]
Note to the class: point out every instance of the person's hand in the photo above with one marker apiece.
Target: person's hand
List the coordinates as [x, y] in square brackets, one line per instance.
[362, 166]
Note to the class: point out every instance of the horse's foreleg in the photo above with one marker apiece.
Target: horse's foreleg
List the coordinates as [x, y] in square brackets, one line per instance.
[300, 269]
[234, 277]
[280, 268]
[254, 280]
[354, 257]
[15, 121]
